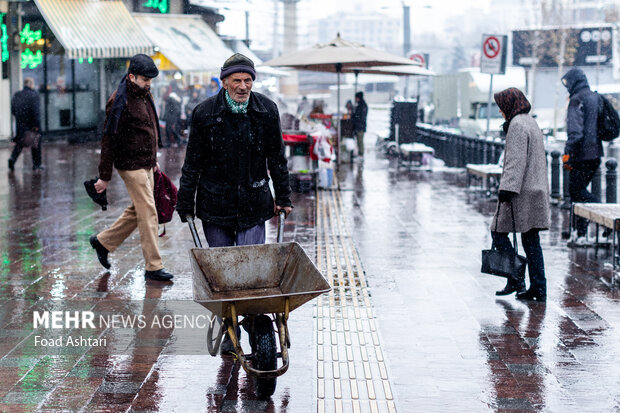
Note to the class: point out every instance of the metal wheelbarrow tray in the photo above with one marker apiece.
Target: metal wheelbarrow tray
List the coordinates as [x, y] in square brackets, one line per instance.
[254, 281]
[258, 279]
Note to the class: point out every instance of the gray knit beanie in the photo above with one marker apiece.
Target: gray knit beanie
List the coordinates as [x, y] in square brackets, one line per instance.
[238, 63]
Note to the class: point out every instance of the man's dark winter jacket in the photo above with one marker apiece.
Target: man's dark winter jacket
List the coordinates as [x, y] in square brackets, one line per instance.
[25, 108]
[583, 143]
[226, 163]
[135, 144]
[359, 116]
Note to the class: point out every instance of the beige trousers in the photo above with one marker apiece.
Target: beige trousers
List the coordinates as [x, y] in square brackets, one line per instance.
[140, 214]
[360, 143]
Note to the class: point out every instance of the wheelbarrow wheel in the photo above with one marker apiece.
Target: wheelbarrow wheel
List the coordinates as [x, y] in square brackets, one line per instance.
[213, 344]
[263, 343]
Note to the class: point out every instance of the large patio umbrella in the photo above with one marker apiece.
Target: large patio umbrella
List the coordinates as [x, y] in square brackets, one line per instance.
[337, 56]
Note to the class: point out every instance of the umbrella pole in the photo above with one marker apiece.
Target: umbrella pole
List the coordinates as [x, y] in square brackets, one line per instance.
[338, 70]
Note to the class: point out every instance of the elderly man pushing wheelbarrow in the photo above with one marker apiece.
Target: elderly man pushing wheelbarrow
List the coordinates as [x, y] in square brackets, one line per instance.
[235, 140]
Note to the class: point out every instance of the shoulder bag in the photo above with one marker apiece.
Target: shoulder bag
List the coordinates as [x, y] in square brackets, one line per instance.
[508, 264]
[31, 139]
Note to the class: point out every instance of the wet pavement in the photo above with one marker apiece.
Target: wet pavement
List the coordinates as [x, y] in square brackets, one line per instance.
[410, 324]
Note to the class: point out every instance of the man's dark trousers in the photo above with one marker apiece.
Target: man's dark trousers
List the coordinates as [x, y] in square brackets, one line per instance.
[36, 153]
[579, 178]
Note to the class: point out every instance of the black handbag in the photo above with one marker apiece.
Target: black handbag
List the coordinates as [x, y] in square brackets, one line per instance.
[508, 264]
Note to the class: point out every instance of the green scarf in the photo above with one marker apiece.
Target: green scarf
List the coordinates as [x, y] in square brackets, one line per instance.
[235, 106]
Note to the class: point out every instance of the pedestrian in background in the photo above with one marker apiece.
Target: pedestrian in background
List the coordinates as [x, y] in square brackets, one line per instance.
[524, 191]
[25, 107]
[348, 110]
[214, 87]
[359, 121]
[583, 149]
[304, 107]
[172, 116]
[235, 146]
[130, 140]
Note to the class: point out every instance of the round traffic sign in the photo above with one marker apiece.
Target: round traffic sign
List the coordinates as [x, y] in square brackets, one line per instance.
[417, 59]
[491, 47]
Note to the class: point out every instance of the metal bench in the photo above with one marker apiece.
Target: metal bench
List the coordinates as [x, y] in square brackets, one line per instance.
[606, 215]
[487, 174]
[417, 155]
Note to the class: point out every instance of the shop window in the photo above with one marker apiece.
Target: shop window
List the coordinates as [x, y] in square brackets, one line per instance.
[69, 88]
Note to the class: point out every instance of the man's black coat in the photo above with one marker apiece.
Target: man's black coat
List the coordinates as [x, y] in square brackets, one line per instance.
[225, 171]
[25, 108]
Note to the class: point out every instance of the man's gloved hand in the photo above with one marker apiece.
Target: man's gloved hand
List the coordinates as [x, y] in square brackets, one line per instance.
[184, 213]
[566, 162]
[506, 196]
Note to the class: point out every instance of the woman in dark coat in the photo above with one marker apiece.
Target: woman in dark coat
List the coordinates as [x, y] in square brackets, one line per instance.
[523, 189]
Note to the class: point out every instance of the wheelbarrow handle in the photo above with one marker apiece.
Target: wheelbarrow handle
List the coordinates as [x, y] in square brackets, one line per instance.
[192, 228]
[281, 218]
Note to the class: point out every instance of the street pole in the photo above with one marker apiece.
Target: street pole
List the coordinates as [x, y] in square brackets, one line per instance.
[338, 71]
[598, 55]
[406, 43]
[274, 52]
[489, 105]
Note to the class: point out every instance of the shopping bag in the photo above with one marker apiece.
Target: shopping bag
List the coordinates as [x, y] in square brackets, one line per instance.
[165, 194]
[508, 264]
[31, 139]
[349, 144]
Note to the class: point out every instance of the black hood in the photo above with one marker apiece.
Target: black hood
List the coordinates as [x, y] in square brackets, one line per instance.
[575, 80]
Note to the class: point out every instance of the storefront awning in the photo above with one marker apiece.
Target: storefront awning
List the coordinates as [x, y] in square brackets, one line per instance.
[186, 40]
[94, 28]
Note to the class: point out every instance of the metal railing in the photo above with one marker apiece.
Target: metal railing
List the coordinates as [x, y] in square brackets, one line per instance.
[458, 150]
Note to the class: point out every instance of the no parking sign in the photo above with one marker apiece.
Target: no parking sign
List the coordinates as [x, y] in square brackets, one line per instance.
[493, 56]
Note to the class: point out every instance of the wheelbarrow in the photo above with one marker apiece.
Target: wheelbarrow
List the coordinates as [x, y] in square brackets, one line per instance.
[261, 283]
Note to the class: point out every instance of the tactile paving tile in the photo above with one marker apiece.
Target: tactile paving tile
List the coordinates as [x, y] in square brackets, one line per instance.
[351, 373]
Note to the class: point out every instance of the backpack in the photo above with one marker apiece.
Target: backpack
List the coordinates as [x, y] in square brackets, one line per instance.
[607, 121]
[165, 194]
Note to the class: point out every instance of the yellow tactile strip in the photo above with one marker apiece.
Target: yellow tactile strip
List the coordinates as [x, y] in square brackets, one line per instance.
[351, 372]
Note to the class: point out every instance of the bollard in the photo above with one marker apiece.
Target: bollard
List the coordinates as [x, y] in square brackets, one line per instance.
[596, 184]
[611, 181]
[556, 167]
[565, 190]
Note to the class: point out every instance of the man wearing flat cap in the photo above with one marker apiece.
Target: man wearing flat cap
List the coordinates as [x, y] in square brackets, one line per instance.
[235, 147]
[130, 140]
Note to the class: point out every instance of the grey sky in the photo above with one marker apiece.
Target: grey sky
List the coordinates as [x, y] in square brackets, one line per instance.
[423, 19]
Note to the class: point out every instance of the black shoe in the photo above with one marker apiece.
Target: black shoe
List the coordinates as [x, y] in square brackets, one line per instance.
[38, 167]
[227, 346]
[511, 288]
[11, 165]
[532, 295]
[158, 275]
[102, 253]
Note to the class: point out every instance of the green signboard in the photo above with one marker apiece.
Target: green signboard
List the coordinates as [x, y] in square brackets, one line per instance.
[4, 38]
[161, 5]
[31, 60]
[28, 36]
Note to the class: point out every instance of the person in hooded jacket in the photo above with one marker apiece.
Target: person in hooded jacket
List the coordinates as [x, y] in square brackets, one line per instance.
[524, 191]
[583, 149]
